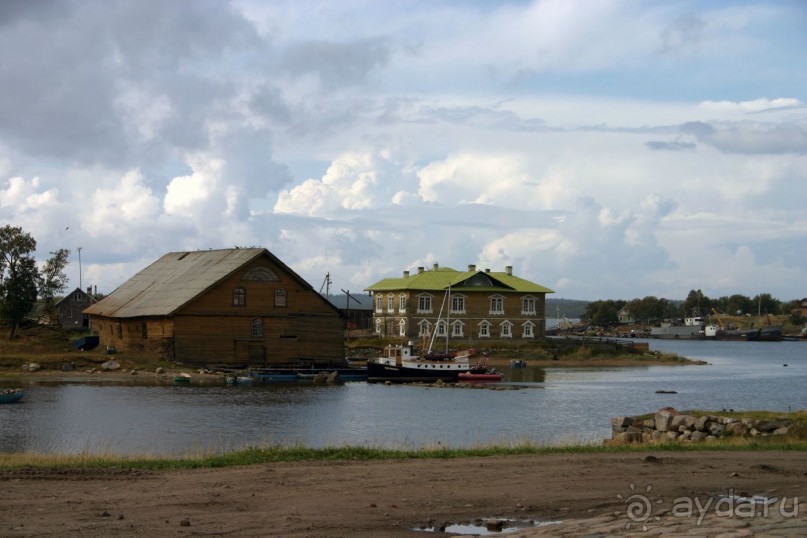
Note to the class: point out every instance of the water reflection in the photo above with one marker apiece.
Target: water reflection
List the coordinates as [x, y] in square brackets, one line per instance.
[144, 416]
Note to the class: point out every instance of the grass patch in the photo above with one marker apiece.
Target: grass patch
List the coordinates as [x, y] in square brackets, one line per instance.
[284, 453]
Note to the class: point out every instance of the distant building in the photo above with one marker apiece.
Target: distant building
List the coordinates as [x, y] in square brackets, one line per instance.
[232, 307]
[71, 310]
[357, 310]
[460, 305]
[625, 316]
[801, 306]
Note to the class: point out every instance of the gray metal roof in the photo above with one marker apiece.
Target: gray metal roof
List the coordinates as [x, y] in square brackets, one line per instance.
[172, 281]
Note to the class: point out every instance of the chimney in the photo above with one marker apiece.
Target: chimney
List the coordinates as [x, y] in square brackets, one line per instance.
[436, 266]
[420, 270]
[509, 270]
[471, 267]
[487, 270]
[406, 274]
[89, 290]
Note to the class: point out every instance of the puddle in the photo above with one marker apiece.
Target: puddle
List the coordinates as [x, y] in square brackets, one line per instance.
[487, 526]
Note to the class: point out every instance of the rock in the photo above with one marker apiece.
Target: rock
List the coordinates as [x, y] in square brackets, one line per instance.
[34, 367]
[651, 459]
[698, 435]
[663, 421]
[110, 365]
[333, 379]
[621, 422]
[781, 431]
[701, 423]
[159, 370]
[320, 378]
[495, 525]
[185, 522]
[68, 367]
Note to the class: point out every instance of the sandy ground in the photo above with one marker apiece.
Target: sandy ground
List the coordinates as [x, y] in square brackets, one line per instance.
[588, 494]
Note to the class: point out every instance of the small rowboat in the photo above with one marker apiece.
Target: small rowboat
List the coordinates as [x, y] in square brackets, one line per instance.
[11, 395]
[481, 376]
[182, 378]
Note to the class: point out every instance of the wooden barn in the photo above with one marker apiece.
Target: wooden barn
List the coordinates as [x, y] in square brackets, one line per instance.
[235, 307]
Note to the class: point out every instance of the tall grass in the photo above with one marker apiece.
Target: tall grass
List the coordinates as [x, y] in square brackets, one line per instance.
[277, 453]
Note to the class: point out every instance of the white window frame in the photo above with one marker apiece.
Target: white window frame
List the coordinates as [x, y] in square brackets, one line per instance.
[457, 329]
[458, 304]
[440, 328]
[529, 306]
[379, 303]
[484, 329]
[425, 303]
[402, 328]
[528, 330]
[402, 303]
[424, 328]
[497, 301]
[390, 303]
[506, 329]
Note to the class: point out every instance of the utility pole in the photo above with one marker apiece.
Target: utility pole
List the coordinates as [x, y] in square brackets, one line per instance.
[79, 269]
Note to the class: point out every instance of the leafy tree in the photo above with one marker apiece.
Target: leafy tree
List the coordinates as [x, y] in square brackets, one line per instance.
[603, 313]
[696, 304]
[20, 281]
[52, 279]
[18, 275]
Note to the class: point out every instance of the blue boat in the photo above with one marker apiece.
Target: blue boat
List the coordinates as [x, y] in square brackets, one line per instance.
[11, 395]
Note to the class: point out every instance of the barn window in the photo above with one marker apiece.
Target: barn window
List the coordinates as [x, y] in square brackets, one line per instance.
[239, 297]
[280, 297]
[120, 330]
[68, 313]
[257, 327]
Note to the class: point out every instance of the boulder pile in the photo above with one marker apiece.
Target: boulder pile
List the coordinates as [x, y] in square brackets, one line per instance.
[670, 425]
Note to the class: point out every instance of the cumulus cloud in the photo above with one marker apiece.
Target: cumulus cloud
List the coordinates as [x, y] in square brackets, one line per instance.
[363, 140]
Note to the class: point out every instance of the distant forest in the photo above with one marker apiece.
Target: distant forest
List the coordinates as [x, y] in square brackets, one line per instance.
[565, 308]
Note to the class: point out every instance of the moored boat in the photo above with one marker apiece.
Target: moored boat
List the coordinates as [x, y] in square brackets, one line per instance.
[400, 364]
[182, 378]
[11, 395]
[480, 372]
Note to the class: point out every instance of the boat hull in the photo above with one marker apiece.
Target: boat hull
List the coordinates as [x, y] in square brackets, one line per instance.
[402, 374]
[11, 396]
[678, 331]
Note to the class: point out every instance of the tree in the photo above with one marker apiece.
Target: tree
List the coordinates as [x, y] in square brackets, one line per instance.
[52, 279]
[18, 275]
[603, 313]
[20, 281]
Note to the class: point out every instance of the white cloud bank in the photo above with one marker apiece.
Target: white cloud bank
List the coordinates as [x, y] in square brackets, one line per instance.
[605, 150]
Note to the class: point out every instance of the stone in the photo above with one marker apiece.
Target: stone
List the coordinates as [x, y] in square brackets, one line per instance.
[333, 379]
[159, 370]
[621, 422]
[698, 435]
[110, 365]
[663, 421]
[781, 431]
[185, 522]
[68, 367]
[34, 367]
[701, 424]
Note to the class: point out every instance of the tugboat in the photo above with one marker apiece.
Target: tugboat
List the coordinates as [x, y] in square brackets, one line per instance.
[400, 364]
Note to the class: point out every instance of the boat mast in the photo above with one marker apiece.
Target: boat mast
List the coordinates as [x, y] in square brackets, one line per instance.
[439, 317]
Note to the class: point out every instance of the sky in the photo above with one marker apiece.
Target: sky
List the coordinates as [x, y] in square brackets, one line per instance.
[605, 149]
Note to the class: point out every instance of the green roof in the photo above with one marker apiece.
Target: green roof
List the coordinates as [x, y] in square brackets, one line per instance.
[441, 278]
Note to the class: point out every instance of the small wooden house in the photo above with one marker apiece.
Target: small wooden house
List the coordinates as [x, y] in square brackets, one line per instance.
[236, 307]
[459, 305]
[625, 316]
[71, 308]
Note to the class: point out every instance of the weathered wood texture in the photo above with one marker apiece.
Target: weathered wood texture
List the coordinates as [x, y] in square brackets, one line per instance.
[278, 322]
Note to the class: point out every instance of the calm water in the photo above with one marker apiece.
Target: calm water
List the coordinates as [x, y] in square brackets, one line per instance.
[560, 405]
